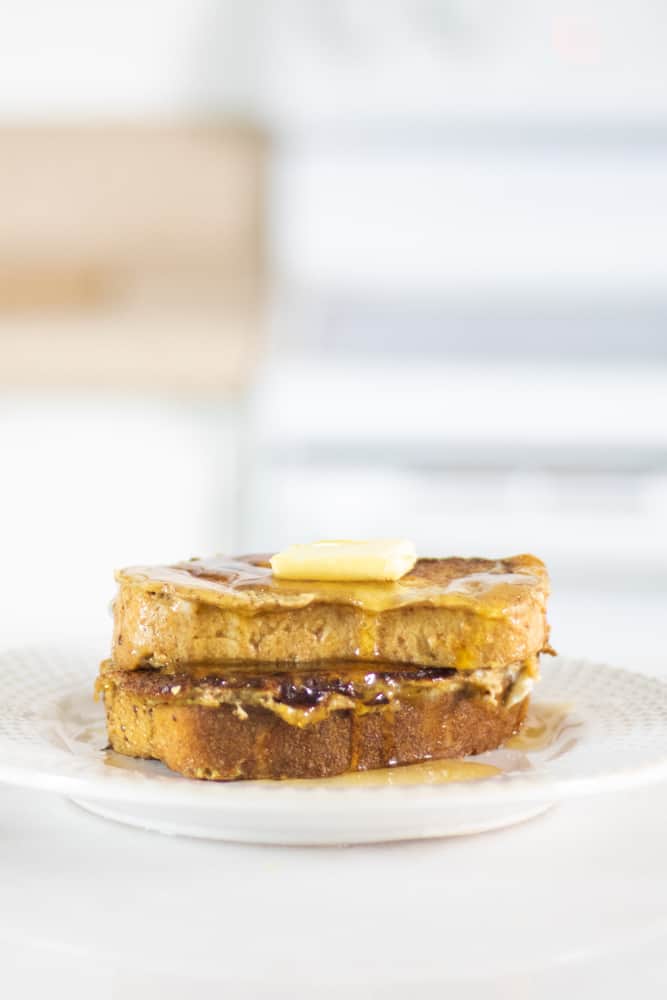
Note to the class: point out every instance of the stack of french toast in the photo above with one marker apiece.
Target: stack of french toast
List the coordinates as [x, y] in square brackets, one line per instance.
[227, 668]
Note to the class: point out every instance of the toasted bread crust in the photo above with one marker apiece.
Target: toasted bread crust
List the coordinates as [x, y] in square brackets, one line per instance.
[221, 744]
[167, 623]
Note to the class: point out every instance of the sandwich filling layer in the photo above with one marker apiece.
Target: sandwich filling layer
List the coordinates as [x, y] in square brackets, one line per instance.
[313, 692]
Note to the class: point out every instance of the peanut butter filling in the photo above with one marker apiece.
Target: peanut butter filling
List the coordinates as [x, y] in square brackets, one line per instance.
[311, 693]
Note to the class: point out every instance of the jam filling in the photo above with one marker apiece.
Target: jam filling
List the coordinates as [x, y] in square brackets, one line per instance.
[305, 690]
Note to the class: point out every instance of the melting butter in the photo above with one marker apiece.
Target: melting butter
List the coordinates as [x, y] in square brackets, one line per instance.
[380, 560]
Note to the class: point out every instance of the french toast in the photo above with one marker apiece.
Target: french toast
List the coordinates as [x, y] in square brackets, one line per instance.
[205, 729]
[461, 613]
[222, 670]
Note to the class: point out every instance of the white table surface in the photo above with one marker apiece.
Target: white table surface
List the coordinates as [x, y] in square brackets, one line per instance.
[576, 899]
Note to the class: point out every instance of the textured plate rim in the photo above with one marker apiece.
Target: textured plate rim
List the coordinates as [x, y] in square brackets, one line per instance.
[257, 796]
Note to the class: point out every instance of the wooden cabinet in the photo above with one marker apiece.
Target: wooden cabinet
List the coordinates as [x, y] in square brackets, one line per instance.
[131, 255]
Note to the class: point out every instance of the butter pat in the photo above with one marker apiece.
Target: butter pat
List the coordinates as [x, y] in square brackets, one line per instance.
[382, 560]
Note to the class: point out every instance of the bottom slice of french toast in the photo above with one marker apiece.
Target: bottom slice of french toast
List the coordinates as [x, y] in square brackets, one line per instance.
[200, 737]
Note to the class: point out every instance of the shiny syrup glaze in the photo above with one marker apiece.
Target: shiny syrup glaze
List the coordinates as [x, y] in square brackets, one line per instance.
[545, 724]
[247, 583]
[430, 772]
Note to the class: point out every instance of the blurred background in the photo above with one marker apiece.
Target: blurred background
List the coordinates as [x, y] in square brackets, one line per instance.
[277, 271]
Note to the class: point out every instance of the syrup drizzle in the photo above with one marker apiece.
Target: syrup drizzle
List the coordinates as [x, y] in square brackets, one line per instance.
[432, 772]
[544, 726]
[248, 582]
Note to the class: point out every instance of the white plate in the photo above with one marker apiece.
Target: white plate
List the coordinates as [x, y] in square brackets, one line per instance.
[611, 733]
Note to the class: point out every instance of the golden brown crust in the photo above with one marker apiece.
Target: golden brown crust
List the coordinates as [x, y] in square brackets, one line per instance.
[463, 622]
[220, 743]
